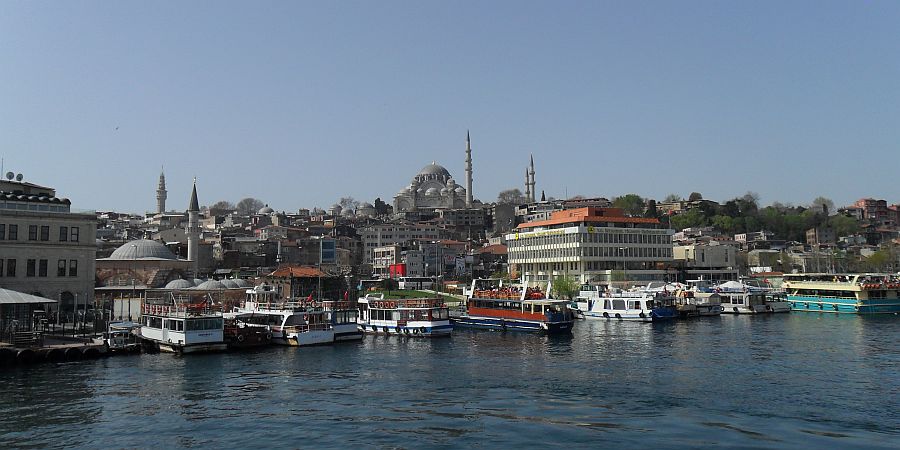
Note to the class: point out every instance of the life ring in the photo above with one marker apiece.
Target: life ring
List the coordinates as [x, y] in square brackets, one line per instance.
[415, 331]
[618, 316]
[392, 305]
[642, 315]
[606, 314]
[768, 308]
[240, 338]
[269, 336]
[374, 329]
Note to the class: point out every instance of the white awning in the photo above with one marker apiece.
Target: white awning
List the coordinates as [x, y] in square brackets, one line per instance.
[8, 297]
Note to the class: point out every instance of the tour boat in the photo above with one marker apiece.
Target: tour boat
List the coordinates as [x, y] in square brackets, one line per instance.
[700, 293]
[740, 298]
[343, 318]
[867, 293]
[121, 337]
[638, 306]
[293, 323]
[407, 317]
[179, 325]
[492, 305]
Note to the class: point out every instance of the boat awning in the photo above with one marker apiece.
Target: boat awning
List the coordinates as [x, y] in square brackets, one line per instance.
[8, 297]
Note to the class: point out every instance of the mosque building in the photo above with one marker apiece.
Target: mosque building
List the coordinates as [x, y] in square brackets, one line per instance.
[434, 188]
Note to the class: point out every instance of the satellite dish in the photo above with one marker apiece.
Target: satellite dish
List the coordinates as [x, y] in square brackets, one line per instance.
[10, 175]
[19, 177]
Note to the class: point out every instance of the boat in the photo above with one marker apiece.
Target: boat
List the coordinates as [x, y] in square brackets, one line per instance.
[239, 335]
[343, 316]
[700, 293]
[851, 293]
[428, 317]
[121, 337]
[744, 298]
[637, 306]
[179, 324]
[292, 323]
[491, 304]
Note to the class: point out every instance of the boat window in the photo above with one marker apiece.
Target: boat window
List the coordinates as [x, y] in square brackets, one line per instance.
[618, 304]
[440, 314]
[294, 320]
[606, 304]
[634, 305]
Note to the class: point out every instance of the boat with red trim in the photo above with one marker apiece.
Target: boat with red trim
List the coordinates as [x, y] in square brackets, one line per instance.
[493, 305]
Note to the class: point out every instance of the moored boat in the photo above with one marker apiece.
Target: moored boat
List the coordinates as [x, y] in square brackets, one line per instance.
[492, 305]
[343, 316]
[866, 293]
[180, 325]
[292, 323]
[741, 298]
[427, 317]
[636, 306]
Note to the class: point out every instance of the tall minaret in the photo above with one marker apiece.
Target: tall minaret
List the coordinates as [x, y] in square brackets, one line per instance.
[532, 190]
[468, 171]
[527, 187]
[193, 231]
[161, 194]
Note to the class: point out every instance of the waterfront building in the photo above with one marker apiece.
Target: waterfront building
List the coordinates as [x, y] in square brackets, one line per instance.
[709, 261]
[47, 249]
[592, 245]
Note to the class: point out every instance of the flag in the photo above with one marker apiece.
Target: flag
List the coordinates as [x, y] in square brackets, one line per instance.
[309, 299]
[346, 295]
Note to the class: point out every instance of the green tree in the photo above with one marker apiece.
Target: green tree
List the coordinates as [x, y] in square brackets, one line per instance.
[688, 219]
[843, 225]
[632, 204]
[672, 198]
[695, 196]
[511, 197]
[725, 224]
[564, 287]
[877, 261]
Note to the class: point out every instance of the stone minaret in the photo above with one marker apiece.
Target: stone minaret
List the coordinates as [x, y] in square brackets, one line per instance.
[161, 194]
[193, 231]
[468, 171]
[531, 180]
[527, 187]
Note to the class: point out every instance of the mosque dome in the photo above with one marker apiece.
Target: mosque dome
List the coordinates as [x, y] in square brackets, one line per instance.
[179, 284]
[241, 283]
[460, 190]
[265, 210]
[434, 169]
[211, 285]
[142, 249]
[230, 284]
[431, 192]
[198, 282]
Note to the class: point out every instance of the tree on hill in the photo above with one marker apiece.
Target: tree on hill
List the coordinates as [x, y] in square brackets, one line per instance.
[249, 206]
[688, 219]
[220, 208]
[632, 204]
[511, 197]
[822, 205]
[695, 196]
[672, 198]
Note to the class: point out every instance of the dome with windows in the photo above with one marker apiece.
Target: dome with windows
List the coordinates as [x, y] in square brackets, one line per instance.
[211, 285]
[179, 284]
[142, 249]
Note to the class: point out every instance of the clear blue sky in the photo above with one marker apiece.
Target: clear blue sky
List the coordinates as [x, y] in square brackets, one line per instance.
[301, 103]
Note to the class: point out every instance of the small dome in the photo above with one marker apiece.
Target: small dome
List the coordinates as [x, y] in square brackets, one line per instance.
[198, 282]
[242, 283]
[230, 284]
[432, 192]
[179, 284]
[142, 249]
[434, 169]
[265, 210]
[210, 285]
[460, 190]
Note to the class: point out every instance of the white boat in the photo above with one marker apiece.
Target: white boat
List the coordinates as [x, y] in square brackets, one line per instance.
[180, 325]
[293, 323]
[427, 317]
[343, 318]
[700, 294]
[638, 306]
[121, 337]
[741, 298]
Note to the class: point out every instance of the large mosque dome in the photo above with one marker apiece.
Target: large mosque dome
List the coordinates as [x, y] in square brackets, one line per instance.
[142, 249]
[434, 169]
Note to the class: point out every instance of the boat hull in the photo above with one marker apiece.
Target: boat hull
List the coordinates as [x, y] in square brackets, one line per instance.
[503, 324]
[844, 306]
[431, 330]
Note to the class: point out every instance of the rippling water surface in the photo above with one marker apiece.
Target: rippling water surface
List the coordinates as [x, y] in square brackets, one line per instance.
[794, 380]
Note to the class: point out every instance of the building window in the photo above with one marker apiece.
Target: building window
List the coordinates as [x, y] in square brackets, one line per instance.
[32, 232]
[61, 268]
[73, 268]
[42, 268]
[30, 266]
[74, 237]
[13, 232]
[1, 267]
[45, 232]
[2, 233]
[63, 234]
[10, 267]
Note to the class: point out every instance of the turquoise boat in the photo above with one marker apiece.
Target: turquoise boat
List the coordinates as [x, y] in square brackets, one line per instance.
[855, 293]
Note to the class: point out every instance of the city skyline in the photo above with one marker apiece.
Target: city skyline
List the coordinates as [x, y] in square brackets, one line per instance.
[302, 104]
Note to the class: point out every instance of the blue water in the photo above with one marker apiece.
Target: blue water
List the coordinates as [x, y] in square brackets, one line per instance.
[798, 380]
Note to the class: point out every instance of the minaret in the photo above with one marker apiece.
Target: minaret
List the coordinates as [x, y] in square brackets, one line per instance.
[193, 231]
[532, 190]
[161, 194]
[527, 187]
[468, 171]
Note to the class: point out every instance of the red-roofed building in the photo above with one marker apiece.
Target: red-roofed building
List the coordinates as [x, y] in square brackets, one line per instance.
[594, 245]
[301, 281]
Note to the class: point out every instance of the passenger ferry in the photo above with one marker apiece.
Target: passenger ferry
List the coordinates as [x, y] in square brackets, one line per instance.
[343, 317]
[293, 323]
[637, 306]
[869, 293]
[700, 293]
[178, 325]
[494, 306]
[427, 317]
[740, 298]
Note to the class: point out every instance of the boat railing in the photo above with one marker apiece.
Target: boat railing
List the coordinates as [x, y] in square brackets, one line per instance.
[306, 327]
